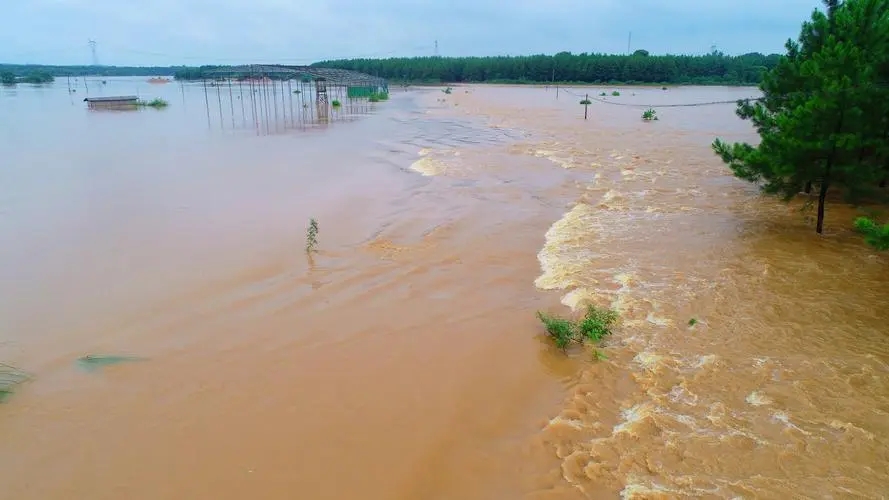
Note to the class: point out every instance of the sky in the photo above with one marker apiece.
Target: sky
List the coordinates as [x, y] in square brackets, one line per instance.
[194, 32]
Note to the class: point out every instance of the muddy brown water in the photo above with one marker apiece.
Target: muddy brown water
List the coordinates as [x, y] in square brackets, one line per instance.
[403, 359]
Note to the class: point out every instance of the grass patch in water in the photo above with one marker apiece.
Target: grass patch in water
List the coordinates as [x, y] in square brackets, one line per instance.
[155, 103]
[594, 326]
[378, 96]
[92, 362]
[10, 378]
[693, 322]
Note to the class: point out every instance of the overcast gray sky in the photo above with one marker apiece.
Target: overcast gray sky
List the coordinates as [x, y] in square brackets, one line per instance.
[163, 32]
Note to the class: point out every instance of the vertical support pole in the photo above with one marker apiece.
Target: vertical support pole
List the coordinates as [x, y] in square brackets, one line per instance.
[206, 102]
[241, 97]
[274, 101]
[231, 102]
[219, 99]
[586, 105]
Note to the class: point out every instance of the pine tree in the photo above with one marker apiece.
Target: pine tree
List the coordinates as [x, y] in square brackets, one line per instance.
[822, 119]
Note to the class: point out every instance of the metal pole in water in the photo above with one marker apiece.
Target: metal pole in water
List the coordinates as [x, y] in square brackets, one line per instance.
[586, 105]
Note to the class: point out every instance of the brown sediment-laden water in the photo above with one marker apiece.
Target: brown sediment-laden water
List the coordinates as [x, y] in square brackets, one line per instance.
[403, 359]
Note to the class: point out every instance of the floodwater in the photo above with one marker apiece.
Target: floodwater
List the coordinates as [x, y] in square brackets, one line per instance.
[403, 359]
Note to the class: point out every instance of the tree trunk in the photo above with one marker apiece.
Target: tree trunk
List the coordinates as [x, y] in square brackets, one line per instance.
[822, 195]
[808, 188]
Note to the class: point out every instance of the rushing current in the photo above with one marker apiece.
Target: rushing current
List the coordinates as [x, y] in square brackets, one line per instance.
[403, 359]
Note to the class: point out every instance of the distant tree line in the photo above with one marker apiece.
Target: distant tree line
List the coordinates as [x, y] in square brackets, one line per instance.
[23, 70]
[640, 67]
[10, 78]
[712, 69]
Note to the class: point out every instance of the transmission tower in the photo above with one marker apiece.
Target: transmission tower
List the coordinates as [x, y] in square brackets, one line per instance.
[92, 44]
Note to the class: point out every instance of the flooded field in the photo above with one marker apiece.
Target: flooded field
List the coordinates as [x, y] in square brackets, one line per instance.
[403, 360]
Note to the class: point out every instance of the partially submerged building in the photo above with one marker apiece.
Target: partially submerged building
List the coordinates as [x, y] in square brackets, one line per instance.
[114, 102]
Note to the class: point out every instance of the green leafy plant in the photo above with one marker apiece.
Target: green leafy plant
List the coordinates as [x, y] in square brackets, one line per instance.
[155, 103]
[649, 115]
[692, 322]
[603, 94]
[586, 102]
[312, 236]
[875, 235]
[615, 93]
[594, 326]
[335, 103]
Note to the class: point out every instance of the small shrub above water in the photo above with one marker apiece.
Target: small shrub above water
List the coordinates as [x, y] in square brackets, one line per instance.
[335, 103]
[615, 93]
[156, 103]
[312, 236]
[378, 96]
[875, 235]
[649, 115]
[596, 324]
[586, 102]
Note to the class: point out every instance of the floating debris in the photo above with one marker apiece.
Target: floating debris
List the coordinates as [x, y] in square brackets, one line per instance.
[92, 362]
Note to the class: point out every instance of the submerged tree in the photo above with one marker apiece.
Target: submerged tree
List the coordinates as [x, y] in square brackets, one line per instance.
[823, 118]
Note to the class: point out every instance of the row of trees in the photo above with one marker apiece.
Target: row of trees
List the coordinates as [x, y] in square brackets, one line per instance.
[640, 67]
[23, 70]
[824, 118]
[10, 78]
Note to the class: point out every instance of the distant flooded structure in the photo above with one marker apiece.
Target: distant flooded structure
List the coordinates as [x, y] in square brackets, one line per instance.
[114, 102]
[275, 98]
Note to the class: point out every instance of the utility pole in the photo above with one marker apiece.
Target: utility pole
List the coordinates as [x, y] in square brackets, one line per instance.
[436, 48]
[629, 40]
[92, 44]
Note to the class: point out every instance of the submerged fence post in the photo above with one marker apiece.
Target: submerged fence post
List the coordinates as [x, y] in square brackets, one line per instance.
[586, 105]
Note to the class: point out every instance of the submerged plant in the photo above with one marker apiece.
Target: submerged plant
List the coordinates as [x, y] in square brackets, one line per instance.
[615, 93]
[312, 236]
[336, 103]
[156, 103]
[92, 362]
[603, 94]
[586, 102]
[649, 115]
[447, 90]
[10, 377]
[692, 322]
[594, 326]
